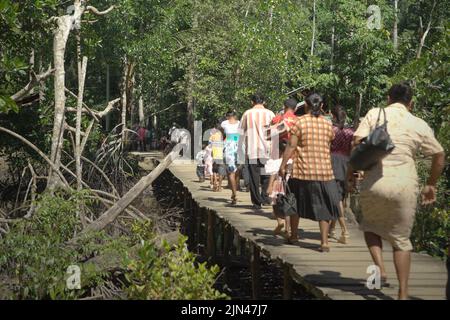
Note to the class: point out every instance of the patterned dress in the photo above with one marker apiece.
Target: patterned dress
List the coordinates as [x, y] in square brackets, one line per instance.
[312, 179]
[389, 190]
[231, 145]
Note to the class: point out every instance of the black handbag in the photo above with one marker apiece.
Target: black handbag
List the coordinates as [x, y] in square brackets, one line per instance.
[285, 204]
[373, 148]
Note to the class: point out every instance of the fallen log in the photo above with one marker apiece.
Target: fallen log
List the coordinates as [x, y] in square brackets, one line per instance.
[112, 213]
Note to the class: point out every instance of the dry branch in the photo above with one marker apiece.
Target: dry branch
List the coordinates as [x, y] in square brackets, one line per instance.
[87, 133]
[425, 34]
[95, 114]
[95, 11]
[32, 146]
[34, 81]
[72, 129]
[112, 213]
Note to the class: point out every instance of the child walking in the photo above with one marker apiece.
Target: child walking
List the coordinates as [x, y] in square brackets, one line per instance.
[218, 167]
[209, 164]
[200, 158]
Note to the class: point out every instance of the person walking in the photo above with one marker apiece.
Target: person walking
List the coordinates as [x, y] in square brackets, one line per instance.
[312, 179]
[231, 128]
[209, 165]
[340, 152]
[280, 126]
[218, 167]
[389, 190]
[142, 132]
[201, 167]
[257, 148]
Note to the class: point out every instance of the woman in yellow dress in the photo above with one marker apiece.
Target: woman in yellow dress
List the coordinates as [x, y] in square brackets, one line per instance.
[389, 190]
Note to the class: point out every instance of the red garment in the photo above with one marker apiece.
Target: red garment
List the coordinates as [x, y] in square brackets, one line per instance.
[342, 143]
[288, 119]
[141, 133]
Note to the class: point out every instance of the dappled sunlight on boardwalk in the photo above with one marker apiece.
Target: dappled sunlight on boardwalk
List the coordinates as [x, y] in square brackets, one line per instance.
[339, 274]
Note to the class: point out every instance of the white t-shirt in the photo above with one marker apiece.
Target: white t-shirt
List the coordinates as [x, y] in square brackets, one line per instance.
[230, 128]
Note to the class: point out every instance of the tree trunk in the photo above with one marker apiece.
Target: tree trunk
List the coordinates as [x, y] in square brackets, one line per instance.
[108, 116]
[357, 110]
[332, 48]
[81, 80]
[271, 15]
[141, 111]
[395, 31]
[124, 100]
[191, 80]
[314, 28]
[64, 25]
[425, 34]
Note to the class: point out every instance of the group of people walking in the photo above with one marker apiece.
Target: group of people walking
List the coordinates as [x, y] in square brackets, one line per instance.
[309, 158]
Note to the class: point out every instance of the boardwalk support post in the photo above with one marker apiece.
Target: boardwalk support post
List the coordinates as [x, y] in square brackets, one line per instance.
[192, 224]
[211, 243]
[287, 282]
[227, 245]
[255, 270]
[198, 227]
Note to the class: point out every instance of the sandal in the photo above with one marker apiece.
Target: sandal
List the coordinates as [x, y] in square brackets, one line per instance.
[278, 230]
[332, 234]
[292, 240]
[324, 248]
[233, 200]
[344, 238]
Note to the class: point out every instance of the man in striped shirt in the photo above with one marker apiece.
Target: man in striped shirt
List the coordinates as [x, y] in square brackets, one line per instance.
[253, 125]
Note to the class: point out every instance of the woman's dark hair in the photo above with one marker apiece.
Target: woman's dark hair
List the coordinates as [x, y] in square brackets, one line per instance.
[257, 98]
[314, 101]
[401, 92]
[230, 113]
[300, 110]
[340, 115]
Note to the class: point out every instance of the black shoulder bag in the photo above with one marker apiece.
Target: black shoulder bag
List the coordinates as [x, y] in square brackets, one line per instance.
[285, 204]
[373, 148]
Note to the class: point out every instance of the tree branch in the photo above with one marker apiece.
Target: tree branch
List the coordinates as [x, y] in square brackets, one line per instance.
[35, 80]
[72, 129]
[95, 114]
[425, 34]
[32, 146]
[95, 11]
[112, 213]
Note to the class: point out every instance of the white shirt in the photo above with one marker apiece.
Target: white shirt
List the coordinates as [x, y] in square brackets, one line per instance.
[254, 124]
[230, 128]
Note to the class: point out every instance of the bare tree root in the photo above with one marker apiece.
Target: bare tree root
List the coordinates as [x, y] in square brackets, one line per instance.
[32, 146]
[112, 213]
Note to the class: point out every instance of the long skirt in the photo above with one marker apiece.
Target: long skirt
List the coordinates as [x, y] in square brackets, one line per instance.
[340, 164]
[316, 200]
[388, 207]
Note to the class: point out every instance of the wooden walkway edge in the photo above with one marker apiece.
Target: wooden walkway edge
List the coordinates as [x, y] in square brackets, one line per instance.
[339, 274]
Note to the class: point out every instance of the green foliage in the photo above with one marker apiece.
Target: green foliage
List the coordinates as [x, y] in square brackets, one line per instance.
[35, 254]
[431, 231]
[168, 272]
[432, 225]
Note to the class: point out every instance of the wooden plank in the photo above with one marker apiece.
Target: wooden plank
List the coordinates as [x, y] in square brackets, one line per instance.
[339, 274]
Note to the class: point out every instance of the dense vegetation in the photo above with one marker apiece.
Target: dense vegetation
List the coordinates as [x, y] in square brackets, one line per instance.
[165, 61]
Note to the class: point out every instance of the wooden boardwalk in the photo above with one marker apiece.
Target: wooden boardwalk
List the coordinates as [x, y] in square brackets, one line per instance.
[339, 274]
